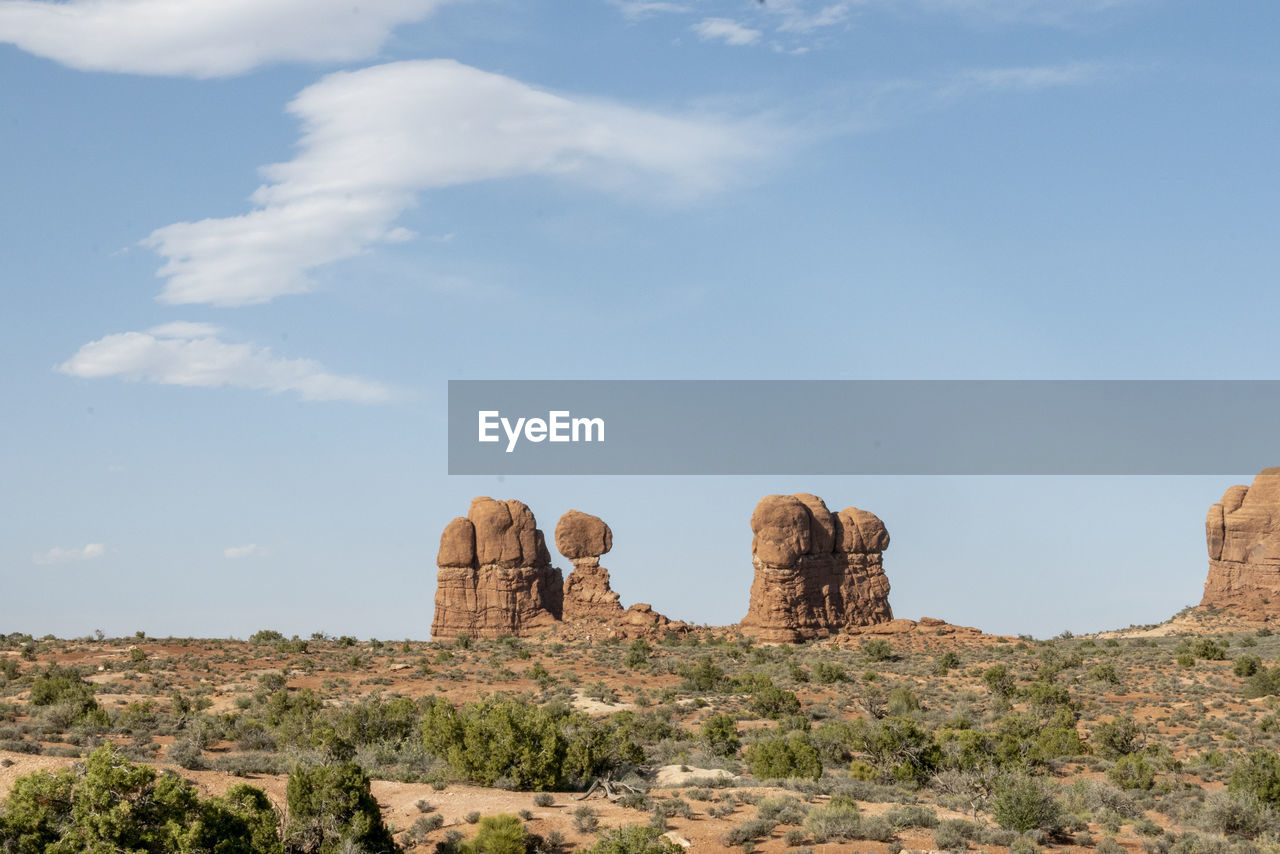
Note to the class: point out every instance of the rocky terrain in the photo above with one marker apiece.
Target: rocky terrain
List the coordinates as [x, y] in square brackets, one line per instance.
[1243, 533]
[817, 573]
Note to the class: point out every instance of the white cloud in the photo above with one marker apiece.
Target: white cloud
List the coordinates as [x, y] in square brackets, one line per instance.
[203, 38]
[58, 554]
[726, 30]
[375, 138]
[239, 552]
[201, 358]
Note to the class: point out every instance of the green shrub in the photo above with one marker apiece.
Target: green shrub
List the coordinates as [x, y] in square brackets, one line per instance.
[332, 808]
[1022, 803]
[772, 702]
[497, 834]
[877, 650]
[899, 748]
[1257, 775]
[780, 757]
[1247, 665]
[827, 673]
[1132, 772]
[494, 738]
[634, 839]
[720, 732]
[1265, 682]
[1120, 737]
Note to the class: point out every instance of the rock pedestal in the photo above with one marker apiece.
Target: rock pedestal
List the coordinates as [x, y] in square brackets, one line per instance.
[816, 573]
[495, 574]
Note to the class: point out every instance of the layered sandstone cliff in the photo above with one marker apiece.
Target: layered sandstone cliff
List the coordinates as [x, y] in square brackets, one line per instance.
[817, 573]
[1243, 534]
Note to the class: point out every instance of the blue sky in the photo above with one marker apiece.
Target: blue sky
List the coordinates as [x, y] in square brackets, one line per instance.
[246, 247]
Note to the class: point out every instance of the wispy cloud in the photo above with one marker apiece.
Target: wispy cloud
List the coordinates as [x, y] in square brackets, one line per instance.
[797, 16]
[635, 10]
[726, 30]
[194, 355]
[1021, 79]
[374, 139]
[203, 38]
[58, 554]
[241, 552]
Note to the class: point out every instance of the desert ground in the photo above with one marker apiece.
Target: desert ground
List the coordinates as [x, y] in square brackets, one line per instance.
[1155, 738]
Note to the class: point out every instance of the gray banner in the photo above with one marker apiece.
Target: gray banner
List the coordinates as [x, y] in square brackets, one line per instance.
[918, 427]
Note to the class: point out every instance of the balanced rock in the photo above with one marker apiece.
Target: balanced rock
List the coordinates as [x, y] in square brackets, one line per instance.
[495, 575]
[817, 573]
[583, 538]
[1243, 534]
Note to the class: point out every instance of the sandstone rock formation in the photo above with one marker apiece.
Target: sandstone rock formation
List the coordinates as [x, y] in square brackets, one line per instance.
[495, 578]
[583, 538]
[495, 574]
[816, 573]
[1243, 533]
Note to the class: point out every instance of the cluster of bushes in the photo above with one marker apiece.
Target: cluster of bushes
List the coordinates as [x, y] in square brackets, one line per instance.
[502, 742]
[116, 805]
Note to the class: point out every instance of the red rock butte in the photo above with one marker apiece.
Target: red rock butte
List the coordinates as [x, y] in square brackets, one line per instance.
[1243, 534]
[817, 573]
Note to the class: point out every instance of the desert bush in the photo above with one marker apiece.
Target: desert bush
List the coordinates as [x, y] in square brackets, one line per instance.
[638, 653]
[779, 757]
[1116, 738]
[782, 810]
[953, 834]
[945, 663]
[877, 650]
[720, 732]
[1265, 682]
[186, 753]
[497, 834]
[1022, 803]
[543, 799]
[827, 673]
[1132, 772]
[899, 748]
[911, 815]
[332, 808]
[770, 701]
[1237, 814]
[1257, 775]
[585, 819]
[746, 832]
[1246, 665]
[634, 839]
[837, 821]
